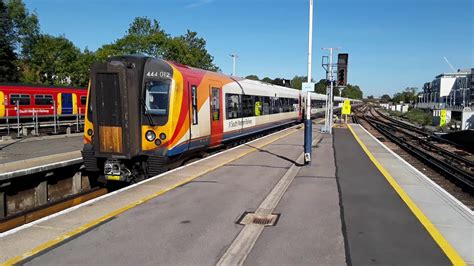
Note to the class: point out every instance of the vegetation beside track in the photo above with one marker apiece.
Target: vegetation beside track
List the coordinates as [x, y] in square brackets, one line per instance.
[417, 116]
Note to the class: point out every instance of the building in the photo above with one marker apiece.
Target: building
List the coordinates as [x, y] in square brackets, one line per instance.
[449, 90]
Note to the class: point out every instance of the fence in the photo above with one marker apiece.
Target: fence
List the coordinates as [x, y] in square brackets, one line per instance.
[21, 118]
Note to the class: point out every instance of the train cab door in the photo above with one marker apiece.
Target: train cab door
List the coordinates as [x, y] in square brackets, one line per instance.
[195, 115]
[2, 104]
[217, 119]
[66, 103]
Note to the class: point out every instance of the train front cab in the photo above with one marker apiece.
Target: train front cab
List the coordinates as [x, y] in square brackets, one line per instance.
[128, 120]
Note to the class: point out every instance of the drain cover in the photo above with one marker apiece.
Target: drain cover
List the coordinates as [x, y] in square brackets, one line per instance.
[265, 220]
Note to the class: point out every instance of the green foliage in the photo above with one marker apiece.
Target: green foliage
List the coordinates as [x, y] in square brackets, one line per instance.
[26, 29]
[419, 116]
[407, 96]
[252, 77]
[385, 98]
[321, 86]
[352, 91]
[8, 70]
[53, 61]
[297, 82]
[145, 36]
[267, 80]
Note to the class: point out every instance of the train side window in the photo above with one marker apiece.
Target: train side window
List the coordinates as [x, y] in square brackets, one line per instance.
[43, 100]
[247, 106]
[194, 104]
[215, 103]
[265, 105]
[22, 99]
[232, 106]
[83, 100]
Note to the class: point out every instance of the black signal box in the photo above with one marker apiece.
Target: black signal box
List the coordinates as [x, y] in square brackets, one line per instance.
[342, 61]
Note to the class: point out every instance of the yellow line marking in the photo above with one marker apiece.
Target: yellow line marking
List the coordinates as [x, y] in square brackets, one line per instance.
[432, 230]
[52, 243]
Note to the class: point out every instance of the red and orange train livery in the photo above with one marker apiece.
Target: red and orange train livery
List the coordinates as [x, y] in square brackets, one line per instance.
[145, 113]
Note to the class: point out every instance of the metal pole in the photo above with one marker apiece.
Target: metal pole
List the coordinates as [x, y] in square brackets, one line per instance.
[8, 123]
[77, 122]
[234, 57]
[37, 124]
[330, 91]
[54, 114]
[310, 40]
[18, 118]
[308, 125]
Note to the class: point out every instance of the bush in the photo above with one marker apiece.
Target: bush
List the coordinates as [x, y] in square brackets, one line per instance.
[419, 116]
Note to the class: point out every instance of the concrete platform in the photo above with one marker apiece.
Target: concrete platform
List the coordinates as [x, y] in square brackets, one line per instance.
[13, 151]
[448, 221]
[340, 210]
[29, 156]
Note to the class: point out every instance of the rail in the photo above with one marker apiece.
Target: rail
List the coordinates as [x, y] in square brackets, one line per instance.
[449, 165]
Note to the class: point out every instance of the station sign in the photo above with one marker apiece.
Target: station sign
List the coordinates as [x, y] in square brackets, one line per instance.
[307, 86]
[442, 117]
[346, 108]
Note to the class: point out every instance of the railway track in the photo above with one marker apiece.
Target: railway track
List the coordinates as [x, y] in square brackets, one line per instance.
[423, 146]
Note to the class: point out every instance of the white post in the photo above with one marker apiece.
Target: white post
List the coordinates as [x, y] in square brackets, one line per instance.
[330, 92]
[310, 39]
[234, 57]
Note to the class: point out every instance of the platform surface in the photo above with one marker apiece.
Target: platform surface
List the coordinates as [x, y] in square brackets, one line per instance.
[339, 210]
[450, 218]
[12, 151]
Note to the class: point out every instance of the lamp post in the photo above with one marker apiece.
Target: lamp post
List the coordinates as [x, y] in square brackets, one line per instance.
[308, 126]
[234, 57]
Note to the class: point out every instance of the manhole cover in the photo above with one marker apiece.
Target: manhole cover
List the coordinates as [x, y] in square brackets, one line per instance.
[252, 218]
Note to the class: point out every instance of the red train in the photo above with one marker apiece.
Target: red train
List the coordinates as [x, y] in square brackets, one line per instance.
[43, 101]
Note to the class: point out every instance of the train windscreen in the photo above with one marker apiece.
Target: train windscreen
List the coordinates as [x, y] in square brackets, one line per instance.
[157, 97]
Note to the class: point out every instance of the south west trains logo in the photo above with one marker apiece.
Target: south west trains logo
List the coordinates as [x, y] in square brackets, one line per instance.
[161, 74]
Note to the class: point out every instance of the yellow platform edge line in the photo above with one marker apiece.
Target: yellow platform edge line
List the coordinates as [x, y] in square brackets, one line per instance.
[72, 233]
[450, 252]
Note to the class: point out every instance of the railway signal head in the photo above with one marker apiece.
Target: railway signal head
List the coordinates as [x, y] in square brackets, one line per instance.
[342, 60]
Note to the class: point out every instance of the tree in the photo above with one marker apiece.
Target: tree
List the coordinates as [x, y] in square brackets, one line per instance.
[145, 36]
[80, 75]
[252, 77]
[267, 80]
[26, 30]
[353, 92]
[8, 70]
[385, 98]
[407, 96]
[53, 60]
[297, 82]
[321, 86]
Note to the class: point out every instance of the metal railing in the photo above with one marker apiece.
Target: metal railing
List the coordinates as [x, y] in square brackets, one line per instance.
[21, 118]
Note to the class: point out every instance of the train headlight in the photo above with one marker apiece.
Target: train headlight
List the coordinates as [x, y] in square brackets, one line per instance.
[162, 136]
[90, 132]
[150, 135]
[157, 142]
